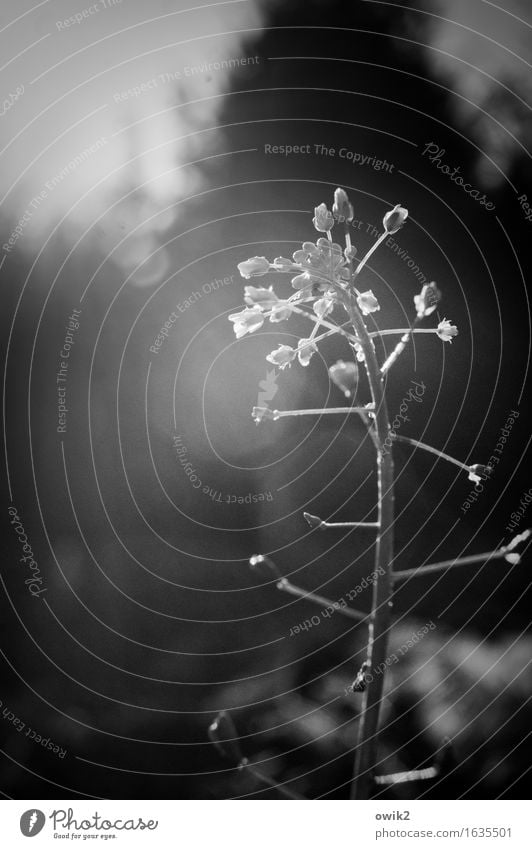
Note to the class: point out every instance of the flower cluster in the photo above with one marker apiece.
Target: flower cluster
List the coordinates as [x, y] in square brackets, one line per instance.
[323, 277]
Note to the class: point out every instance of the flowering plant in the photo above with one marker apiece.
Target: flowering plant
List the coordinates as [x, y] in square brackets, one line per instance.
[324, 277]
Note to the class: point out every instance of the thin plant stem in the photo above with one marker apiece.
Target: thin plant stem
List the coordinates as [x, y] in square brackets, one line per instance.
[399, 330]
[449, 564]
[371, 251]
[269, 782]
[400, 347]
[292, 589]
[316, 522]
[313, 339]
[411, 775]
[286, 586]
[333, 327]
[366, 752]
[318, 411]
[436, 451]
[374, 525]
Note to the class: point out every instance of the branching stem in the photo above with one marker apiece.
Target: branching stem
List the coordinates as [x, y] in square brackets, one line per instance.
[366, 751]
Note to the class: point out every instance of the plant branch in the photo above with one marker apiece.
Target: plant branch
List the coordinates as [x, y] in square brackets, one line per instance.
[400, 347]
[366, 752]
[274, 415]
[336, 328]
[269, 782]
[505, 553]
[371, 251]
[292, 589]
[397, 331]
[316, 522]
[283, 584]
[410, 775]
[431, 450]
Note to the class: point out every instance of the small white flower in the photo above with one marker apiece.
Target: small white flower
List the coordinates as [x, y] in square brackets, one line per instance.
[280, 312]
[394, 220]
[260, 297]
[323, 307]
[367, 302]
[350, 253]
[301, 281]
[247, 321]
[305, 350]
[254, 267]
[323, 220]
[446, 331]
[282, 357]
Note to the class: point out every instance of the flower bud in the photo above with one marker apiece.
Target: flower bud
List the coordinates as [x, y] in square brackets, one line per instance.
[394, 220]
[247, 321]
[305, 350]
[342, 209]
[258, 414]
[254, 267]
[359, 351]
[223, 734]
[345, 376]
[323, 220]
[260, 297]
[313, 521]
[479, 472]
[280, 312]
[361, 679]
[323, 307]
[367, 302]
[282, 357]
[301, 281]
[427, 300]
[350, 253]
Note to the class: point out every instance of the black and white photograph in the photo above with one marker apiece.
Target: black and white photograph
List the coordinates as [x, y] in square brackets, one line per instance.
[265, 352]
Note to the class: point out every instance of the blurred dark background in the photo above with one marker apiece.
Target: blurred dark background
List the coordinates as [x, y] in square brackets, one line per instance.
[152, 621]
